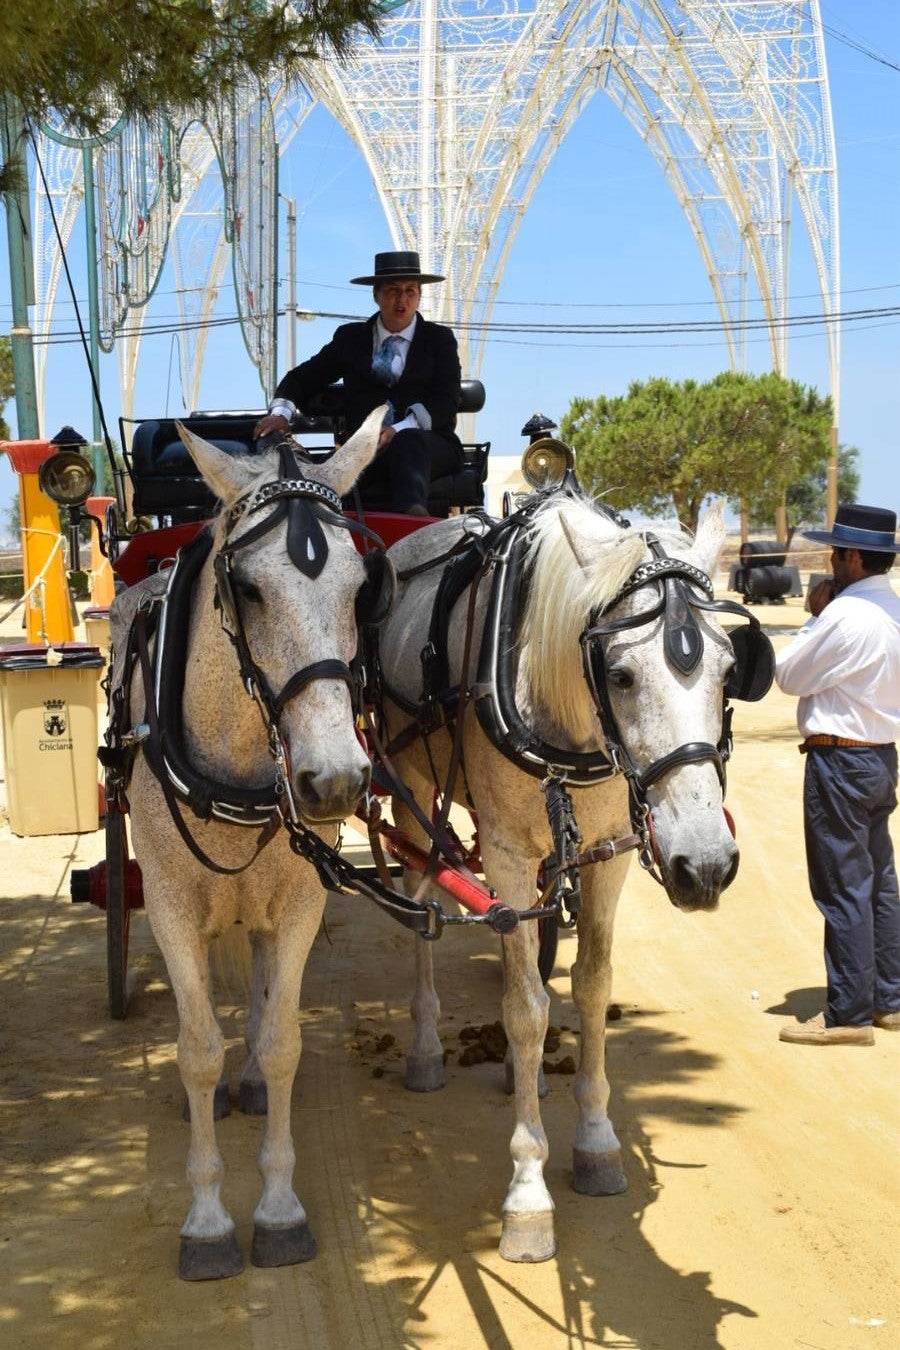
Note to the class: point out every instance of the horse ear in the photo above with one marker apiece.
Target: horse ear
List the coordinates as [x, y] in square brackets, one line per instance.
[229, 476]
[346, 464]
[710, 538]
[578, 546]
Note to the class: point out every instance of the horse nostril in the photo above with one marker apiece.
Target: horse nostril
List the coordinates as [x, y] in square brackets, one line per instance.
[700, 884]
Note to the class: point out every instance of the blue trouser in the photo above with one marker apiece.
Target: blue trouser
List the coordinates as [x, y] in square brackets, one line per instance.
[849, 793]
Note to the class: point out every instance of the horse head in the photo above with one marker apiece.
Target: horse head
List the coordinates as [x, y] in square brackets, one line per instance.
[657, 662]
[285, 579]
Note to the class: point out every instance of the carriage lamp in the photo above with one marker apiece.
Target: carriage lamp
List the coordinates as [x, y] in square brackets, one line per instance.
[67, 477]
[546, 462]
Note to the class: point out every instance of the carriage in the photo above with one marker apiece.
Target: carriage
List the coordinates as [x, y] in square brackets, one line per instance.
[553, 656]
[161, 503]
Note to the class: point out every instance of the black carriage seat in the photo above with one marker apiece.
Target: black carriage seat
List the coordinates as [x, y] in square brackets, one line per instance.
[461, 490]
[167, 485]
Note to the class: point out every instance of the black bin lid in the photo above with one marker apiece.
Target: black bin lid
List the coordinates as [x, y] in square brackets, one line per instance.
[33, 656]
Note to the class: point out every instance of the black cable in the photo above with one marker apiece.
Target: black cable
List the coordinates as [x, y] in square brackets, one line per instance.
[95, 386]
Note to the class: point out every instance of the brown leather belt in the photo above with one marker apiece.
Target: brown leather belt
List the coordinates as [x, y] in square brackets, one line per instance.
[833, 740]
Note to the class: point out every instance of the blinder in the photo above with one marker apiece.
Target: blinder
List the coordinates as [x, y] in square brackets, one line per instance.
[754, 663]
[375, 597]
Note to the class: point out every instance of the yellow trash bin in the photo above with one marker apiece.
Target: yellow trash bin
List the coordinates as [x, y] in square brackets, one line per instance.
[49, 714]
[96, 628]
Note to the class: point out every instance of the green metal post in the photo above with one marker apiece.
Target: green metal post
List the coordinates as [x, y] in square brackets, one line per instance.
[21, 268]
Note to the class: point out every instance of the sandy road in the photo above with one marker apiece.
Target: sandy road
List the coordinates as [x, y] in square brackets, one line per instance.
[764, 1178]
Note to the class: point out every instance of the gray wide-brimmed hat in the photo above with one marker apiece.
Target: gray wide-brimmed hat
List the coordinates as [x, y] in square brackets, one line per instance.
[395, 267]
[870, 528]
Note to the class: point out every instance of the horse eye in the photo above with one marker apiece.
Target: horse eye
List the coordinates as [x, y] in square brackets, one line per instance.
[620, 678]
[248, 590]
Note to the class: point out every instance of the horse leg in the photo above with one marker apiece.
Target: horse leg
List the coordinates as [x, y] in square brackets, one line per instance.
[527, 1232]
[425, 1060]
[252, 1097]
[221, 1096]
[597, 1156]
[281, 1234]
[209, 1249]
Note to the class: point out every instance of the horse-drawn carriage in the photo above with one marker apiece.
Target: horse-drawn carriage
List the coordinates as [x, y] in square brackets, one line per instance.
[558, 673]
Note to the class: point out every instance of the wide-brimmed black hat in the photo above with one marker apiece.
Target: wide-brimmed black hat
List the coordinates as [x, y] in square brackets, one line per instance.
[395, 267]
[869, 528]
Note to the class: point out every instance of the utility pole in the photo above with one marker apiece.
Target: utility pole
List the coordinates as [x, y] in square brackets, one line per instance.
[21, 267]
[290, 308]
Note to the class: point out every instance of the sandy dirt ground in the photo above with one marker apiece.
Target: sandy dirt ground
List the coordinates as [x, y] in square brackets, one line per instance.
[762, 1207]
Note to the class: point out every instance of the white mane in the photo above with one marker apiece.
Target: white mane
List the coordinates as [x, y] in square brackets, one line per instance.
[565, 589]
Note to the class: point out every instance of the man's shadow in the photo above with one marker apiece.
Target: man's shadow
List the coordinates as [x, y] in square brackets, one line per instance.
[800, 1003]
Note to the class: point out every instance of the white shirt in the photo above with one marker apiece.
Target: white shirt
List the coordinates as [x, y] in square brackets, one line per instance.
[416, 416]
[844, 665]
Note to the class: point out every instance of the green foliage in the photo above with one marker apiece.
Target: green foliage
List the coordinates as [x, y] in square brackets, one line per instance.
[7, 384]
[806, 499]
[95, 60]
[668, 445]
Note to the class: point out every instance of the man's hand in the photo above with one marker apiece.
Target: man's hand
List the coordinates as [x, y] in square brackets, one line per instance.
[271, 422]
[821, 595]
[384, 440]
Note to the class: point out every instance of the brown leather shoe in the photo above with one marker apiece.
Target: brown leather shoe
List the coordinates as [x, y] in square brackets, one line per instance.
[815, 1032]
[888, 1021]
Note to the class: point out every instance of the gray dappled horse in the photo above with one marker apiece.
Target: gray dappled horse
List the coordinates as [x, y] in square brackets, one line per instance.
[277, 577]
[595, 658]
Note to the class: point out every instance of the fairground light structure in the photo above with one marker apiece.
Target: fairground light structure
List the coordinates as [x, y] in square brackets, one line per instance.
[458, 109]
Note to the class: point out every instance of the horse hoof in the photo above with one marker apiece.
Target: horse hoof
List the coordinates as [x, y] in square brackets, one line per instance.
[253, 1099]
[283, 1246]
[203, 1259]
[221, 1104]
[527, 1237]
[424, 1074]
[598, 1173]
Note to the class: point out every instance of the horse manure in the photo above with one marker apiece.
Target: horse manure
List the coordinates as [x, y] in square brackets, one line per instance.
[564, 1065]
[487, 1042]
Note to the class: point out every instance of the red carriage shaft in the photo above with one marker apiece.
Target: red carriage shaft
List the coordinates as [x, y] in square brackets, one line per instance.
[471, 893]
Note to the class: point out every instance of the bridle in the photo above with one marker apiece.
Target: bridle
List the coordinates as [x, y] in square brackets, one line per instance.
[682, 589]
[305, 503]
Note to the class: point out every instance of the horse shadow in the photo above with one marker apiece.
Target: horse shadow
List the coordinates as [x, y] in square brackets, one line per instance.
[607, 1283]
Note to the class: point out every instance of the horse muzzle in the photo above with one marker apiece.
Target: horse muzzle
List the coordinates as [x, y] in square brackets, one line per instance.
[695, 877]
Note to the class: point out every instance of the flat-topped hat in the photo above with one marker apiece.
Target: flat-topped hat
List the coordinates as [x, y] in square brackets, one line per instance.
[395, 267]
[869, 528]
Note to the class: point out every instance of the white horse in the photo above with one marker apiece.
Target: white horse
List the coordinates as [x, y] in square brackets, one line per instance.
[279, 582]
[643, 686]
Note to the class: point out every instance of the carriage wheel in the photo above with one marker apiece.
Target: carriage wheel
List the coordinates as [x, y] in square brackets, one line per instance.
[548, 941]
[117, 909]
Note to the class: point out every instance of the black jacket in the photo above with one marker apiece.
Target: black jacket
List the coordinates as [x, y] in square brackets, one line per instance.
[431, 375]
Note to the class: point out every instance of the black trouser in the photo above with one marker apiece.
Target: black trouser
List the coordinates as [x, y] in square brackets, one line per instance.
[848, 796]
[403, 472]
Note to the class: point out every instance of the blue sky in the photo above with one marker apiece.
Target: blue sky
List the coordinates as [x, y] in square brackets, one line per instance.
[602, 228]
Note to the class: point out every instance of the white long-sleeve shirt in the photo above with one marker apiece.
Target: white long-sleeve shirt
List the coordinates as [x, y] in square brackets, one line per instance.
[844, 665]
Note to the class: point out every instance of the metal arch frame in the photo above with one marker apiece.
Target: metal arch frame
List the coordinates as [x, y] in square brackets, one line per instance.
[185, 156]
[773, 162]
[736, 98]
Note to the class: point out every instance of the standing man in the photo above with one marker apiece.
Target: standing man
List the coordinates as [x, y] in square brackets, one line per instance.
[394, 357]
[844, 666]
